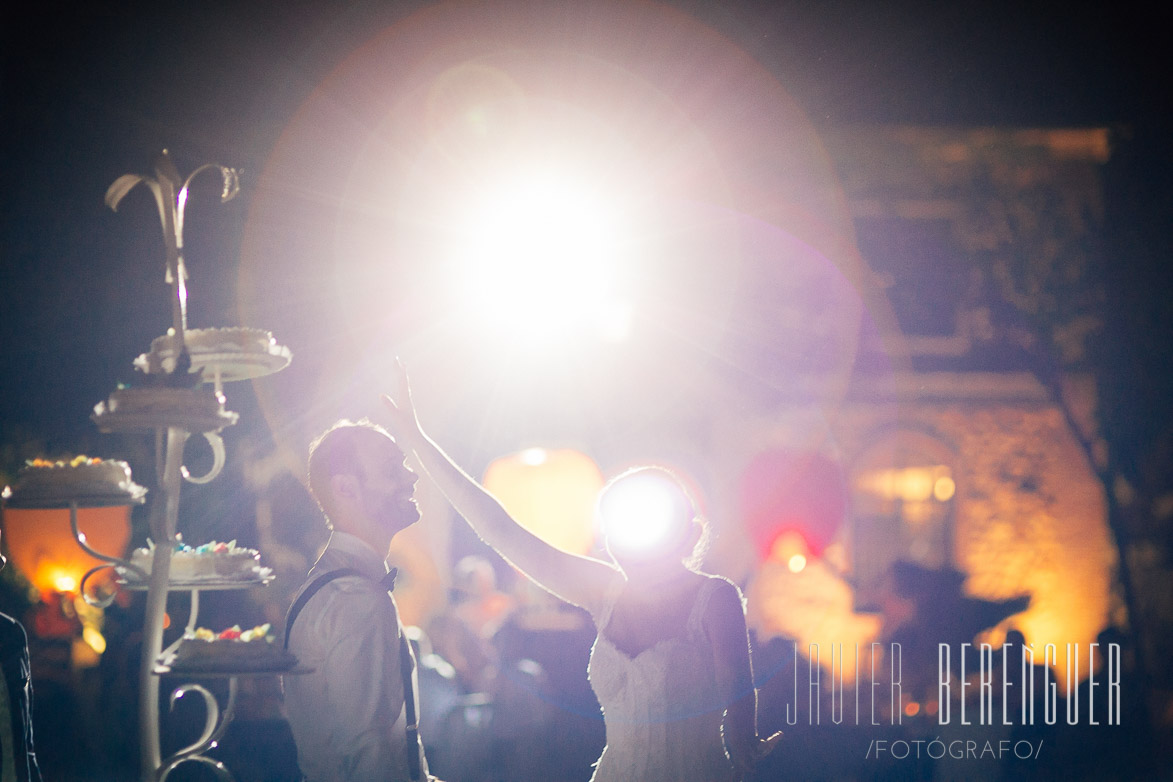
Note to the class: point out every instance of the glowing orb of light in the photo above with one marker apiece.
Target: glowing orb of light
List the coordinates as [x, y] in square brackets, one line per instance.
[533, 457]
[539, 258]
[63, 582]
[644, 512]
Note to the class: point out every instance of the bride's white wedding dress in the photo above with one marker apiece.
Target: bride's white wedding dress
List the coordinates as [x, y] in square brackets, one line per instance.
[661, 708]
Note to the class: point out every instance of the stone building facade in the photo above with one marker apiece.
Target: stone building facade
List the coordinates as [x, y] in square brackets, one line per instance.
[966, 434]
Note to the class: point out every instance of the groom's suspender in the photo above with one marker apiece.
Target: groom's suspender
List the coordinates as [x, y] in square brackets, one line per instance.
[406, 661]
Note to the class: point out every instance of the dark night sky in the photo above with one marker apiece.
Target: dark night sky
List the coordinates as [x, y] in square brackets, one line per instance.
[93, 91]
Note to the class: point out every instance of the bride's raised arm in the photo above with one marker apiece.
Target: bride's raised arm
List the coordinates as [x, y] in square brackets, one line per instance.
[582, 581]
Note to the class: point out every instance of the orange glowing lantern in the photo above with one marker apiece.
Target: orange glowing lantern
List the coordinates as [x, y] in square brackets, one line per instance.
[41, 543]
[552, 493]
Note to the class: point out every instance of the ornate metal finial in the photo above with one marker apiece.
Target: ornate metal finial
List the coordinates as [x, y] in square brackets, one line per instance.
[170, 191]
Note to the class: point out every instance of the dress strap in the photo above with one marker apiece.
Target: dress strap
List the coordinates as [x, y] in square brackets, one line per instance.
[610, 598]
[696, 618]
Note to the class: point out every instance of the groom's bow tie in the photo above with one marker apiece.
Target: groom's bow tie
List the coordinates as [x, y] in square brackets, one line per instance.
[388, 581]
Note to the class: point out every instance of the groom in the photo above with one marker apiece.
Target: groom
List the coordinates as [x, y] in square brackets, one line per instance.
[353, 718]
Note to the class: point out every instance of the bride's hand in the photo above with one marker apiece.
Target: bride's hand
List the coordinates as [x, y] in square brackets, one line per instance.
[747, 761]
[401, 419]
[766, 746]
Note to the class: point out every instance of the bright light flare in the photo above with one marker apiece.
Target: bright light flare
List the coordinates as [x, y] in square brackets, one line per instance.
[540, 260]
[791, 548]
[63, 582]
[643, 513]
[533, 457]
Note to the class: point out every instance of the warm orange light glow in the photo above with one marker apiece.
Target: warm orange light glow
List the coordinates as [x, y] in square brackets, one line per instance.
[41, 545]
[421, 590]
[812, 606]
[911, 709]
[64, 582]
[553, 496]
[910, 484]
[1047, 538]
[94, 639]
[796, 563]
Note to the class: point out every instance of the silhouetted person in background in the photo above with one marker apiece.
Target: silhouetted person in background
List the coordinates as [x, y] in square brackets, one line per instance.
[18, 761]
[464, 635]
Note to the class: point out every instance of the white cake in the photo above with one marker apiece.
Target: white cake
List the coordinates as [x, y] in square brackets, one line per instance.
[142, 401]
[198, 409]
[78, 478]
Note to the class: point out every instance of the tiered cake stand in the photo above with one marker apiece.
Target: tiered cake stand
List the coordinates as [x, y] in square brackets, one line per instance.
[181, 367]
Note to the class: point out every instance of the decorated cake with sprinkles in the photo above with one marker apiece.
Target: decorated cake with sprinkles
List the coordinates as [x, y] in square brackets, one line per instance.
[74, 479]
[229, 650]
[209, 561]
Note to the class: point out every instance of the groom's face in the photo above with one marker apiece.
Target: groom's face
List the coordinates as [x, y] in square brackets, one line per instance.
[387, 485]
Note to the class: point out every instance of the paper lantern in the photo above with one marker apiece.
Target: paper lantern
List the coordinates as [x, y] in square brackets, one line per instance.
[786, 492]
[552, 493]
[41, 544]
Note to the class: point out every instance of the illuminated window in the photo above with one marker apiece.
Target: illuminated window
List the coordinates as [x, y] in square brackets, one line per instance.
[902, 507]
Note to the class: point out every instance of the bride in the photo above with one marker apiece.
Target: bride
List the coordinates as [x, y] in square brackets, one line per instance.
[671, 662]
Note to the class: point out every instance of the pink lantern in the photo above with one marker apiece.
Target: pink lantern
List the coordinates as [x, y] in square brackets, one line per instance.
[786, 491]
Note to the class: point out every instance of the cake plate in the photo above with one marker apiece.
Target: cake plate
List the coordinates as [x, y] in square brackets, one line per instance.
[192, 422]
[221, 355]
[205, 584]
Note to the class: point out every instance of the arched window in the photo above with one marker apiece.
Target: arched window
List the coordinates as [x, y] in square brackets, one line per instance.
[902, 489]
